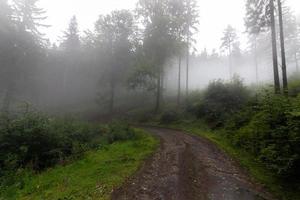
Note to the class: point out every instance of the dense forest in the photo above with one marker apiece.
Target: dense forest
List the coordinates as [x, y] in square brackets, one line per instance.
[70, 106]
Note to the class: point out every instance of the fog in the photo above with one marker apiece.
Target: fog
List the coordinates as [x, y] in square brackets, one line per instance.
[96, 57]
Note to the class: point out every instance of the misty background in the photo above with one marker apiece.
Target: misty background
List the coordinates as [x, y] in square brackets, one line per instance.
[67, 68]
[214, 16]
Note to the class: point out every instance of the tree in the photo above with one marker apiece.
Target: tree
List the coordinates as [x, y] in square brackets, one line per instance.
[31, 42]
[70, 45]
[7, 50]
[292, 37]
[71, 38]
[159, 38]
[282, 45]
[192, 20]
[256, 23]
[169, 27]
[23, 20]
[229, 42]
[177, 9]
[253, 40]
[259, 16]
[114, 34]
[30, 18]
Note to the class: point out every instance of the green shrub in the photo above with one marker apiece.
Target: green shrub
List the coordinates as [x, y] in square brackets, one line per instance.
[273, 134]
[169, 117]
[120, 132]
[242, 117]
[36, 141]
[30, 140]
[294, 85]
[220, 100]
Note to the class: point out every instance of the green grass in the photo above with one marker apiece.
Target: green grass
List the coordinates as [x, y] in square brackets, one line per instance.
[259, 173]
[93, 177]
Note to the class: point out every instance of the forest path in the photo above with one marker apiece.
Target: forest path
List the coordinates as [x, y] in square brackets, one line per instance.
[189, 168]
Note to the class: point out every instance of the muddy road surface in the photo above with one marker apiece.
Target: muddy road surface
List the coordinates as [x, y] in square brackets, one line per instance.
[187, 167]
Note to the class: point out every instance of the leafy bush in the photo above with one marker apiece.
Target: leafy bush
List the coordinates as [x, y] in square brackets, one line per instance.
[221, 100]
[242, 117]
[294, 85]
[267, 126]
[120, 132]
[273, 134]
[169, 117]
[37, 141]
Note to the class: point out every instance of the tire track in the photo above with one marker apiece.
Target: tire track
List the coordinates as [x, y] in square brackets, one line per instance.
[189, 168]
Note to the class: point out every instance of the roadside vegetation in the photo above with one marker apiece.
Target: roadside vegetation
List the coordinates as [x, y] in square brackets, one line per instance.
[257, 127]
[49, 158]
[141, 65]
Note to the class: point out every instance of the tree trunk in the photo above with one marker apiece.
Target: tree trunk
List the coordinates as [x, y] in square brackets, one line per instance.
[187, 70]
[230, 61]
[256, 61]
[179, 82]
[158, 94]
[162, 85]
[188, 54]
[7, 98]
[65, 84]
[11, 84]
[112, 98]
[274, 50]
[297, 65]
[283, 58]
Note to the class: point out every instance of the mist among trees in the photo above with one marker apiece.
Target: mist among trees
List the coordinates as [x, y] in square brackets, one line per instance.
[142, 66]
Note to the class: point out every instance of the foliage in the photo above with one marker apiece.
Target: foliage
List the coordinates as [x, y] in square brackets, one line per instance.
[38, 142]
[294, 85]
[92, 177]
[257, 16]
[71, 41]
[272, 134]
[169, 117]
[120, 132]
[282, 189]
[229, 40]
[114, 35]
[266, 126]
[221, 100]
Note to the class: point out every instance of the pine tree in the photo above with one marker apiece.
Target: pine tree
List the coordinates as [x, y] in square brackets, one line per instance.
[70, 45]
[159, 38]
[30, 19]
[259, 17]
[229, 42]
[282, 45]
[292, 37]
[71, 38]
[191, 16]
[114, 32]
[7, 52]
[184, 19]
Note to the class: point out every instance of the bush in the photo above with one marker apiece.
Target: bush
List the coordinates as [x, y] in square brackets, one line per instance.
[267, 126]
[220, 100]
[37, 141]
[242, 117]
[294, 85]
[273, 134]
[169, 117]
[120, 132]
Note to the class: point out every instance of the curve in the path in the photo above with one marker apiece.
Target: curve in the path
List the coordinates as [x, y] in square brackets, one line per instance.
[189, 168]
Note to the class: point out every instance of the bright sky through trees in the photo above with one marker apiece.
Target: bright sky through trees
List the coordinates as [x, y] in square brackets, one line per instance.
[215, 15]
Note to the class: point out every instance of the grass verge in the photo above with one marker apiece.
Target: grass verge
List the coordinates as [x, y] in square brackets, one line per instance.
[93, 177]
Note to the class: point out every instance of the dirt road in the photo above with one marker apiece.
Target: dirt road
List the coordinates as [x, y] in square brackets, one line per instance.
[189, 168]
